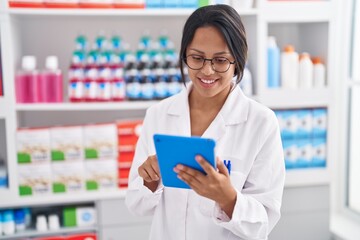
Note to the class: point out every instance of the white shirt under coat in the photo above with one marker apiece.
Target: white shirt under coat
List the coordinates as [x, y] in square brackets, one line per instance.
[247, 133]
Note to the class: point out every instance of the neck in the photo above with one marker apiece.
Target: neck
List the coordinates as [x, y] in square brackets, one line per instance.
[208, 104]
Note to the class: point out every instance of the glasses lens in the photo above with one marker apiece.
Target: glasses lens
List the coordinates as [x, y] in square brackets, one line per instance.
[194, 62]
[220, 64]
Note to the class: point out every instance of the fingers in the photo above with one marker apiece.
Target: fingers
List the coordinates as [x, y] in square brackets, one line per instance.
[221, 166]
[205, 165]
[188, 175]
[149, 170]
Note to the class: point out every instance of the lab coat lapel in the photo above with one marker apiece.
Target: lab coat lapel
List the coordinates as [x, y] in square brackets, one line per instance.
[234, 111]
[179, 113]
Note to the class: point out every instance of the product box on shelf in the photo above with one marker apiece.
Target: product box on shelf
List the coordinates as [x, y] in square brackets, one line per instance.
[101, 174]
[26, 3]
[33, 145]
[67, 177]
[84, 236]
[129, 3]
[100, 141]
[34, 179]
[67, 143]
[128, 134]
[123, 176]
[61, 3]
[79, 216]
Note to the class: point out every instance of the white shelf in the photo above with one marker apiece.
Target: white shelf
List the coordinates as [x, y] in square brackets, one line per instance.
[126, 105]
[33, 233]
[8, 200]
[304, 98]
[112, 12]
[301, 11]
[307, 177]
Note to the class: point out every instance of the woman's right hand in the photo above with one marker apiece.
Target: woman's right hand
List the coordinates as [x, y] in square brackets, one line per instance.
[150, 172]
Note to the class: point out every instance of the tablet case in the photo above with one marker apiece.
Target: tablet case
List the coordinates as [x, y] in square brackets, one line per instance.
[172, 150]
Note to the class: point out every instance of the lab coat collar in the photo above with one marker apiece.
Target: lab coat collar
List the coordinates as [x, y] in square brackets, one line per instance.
[234, 111]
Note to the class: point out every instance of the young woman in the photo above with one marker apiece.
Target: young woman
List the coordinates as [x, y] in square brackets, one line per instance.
[243, 205]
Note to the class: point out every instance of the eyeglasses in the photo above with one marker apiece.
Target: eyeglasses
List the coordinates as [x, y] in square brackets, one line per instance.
[218, 64]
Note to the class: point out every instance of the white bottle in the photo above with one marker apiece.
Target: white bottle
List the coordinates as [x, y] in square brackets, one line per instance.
[1, 223]
[246, 82]
[305, 71]
[8, 222]
[319, 73]
[289, 68]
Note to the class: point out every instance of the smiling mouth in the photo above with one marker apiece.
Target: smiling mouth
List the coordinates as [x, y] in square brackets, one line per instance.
[206, 81]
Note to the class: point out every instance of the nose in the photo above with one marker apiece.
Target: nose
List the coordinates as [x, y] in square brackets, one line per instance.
[207, 68]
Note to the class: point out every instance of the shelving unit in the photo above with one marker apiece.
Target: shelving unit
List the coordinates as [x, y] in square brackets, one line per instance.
[33, 234]
[23, 31]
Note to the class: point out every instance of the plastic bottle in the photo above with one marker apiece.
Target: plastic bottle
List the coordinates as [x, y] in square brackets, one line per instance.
[90, 85]
[27, 212]
[41, 223]
[133, 87]
[104, 85]
[305, 71]
[8, 222]
[118, 88]
[147, 86]
[27, 81]
[19, 215]
[1, 223]
[246, 82]
[173, 81]
[3, 176]
[160, 84]
[51, 81]
[273, 63]
[289, 68]
[319, 72]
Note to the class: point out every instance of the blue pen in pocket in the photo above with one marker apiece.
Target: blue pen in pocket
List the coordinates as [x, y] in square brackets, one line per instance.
[227, 163]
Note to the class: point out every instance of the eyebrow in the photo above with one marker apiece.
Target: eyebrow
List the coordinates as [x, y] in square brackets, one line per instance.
[218, 53]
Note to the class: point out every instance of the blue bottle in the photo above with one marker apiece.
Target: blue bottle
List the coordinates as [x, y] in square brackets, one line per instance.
[273, 64]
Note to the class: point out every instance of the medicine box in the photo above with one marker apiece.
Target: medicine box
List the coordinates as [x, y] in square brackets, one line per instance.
[68, 177]
[34, 179]
[67, 143]
[100, 141]
[33, 145]
[101, 175]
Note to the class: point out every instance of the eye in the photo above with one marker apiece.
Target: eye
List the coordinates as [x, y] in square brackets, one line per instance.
[220, 60]
[196, 58]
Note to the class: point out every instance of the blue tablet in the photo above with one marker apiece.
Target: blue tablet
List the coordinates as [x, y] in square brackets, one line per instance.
[172, 150]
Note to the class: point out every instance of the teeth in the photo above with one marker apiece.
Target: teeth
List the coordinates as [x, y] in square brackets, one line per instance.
[207, 81]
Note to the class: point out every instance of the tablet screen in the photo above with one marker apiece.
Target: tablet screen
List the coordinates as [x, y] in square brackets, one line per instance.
[172, 150]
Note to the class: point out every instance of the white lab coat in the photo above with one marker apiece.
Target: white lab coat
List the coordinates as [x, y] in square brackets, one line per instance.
[246, 133]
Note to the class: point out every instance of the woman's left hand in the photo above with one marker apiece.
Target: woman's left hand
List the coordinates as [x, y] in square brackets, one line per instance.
[214, 184]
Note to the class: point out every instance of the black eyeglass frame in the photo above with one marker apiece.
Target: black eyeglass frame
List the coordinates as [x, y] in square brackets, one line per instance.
[211, 62]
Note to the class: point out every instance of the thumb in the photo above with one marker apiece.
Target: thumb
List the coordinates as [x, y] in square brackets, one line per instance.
[221, 166]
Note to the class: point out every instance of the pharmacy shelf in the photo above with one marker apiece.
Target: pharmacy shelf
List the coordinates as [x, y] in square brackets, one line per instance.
[8, 200]
[33, 233]
[126, 105]
[295, 98]
[112, 12]
[299, 11]
[307, 177]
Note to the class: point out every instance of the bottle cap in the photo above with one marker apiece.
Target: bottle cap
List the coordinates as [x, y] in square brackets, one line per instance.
[54, 223]
[28, 63]
[52, 63]
[316, 60]
[41, 224]
[271, 41]
[304, 55]
[289, 48]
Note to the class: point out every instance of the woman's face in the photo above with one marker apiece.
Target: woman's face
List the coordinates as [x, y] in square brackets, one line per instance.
[209, 43]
